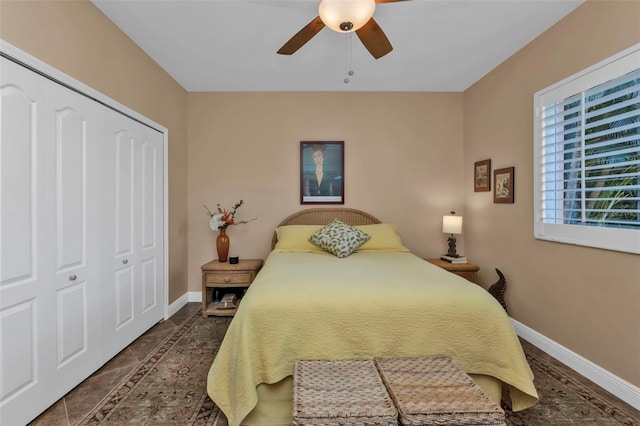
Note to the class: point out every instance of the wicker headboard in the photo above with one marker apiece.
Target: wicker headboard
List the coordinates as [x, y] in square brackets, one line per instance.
[325, 216]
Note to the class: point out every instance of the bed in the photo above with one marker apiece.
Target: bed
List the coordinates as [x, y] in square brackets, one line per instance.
[381, 300]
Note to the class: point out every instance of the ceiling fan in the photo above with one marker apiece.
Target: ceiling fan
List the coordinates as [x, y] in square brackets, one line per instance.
[345, 16]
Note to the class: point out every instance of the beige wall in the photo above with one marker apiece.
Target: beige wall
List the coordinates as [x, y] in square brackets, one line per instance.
[403, 162]
[583, 298]
[77, 39]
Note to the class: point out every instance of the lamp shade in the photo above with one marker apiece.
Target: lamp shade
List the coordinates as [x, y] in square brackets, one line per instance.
[345, 16]
[452, 224]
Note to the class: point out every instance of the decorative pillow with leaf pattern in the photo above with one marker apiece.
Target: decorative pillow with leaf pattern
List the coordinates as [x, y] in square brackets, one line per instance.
[339, 239]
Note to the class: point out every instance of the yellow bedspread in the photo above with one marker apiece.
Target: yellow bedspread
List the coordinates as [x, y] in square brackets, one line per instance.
[316, 306]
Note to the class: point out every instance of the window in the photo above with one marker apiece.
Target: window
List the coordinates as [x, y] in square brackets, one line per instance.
[587, 156]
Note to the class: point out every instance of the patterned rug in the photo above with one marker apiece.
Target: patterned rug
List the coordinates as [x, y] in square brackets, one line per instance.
[565, 401]
[169, 388]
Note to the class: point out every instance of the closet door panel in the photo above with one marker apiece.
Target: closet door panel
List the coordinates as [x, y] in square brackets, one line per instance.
[121, 322]
[151, 242]
[71, 323]
[136, 286]
[124, 178]
[124, 297]
[123, 213]
[150, 295]
[71, 191]
[149, 195]
[18, 179]
[20, 370]
[78, 271]
[26, 249]
[76, 138]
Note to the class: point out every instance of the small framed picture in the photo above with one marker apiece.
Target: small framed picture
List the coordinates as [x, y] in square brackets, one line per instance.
[322, 172]
[482, 176]
[503, 185]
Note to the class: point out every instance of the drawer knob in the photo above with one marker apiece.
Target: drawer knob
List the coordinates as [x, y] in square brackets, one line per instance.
[73, 278]
[125, 261]
[227, 279]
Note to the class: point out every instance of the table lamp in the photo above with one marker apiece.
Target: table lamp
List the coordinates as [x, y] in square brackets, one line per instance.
[452, 225]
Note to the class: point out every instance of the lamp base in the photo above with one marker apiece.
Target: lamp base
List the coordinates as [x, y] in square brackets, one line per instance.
[452, 247]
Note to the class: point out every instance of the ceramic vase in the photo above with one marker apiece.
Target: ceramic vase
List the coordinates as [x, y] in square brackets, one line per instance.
[222, 244]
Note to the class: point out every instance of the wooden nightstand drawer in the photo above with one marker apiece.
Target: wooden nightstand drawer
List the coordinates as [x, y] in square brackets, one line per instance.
[235, 278]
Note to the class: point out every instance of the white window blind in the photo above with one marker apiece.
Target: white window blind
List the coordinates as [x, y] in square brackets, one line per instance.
[587, 156]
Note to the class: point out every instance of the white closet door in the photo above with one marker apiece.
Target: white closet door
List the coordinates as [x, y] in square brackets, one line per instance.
[78, 229]
[24, 296]
[134, 215]
[49, 293]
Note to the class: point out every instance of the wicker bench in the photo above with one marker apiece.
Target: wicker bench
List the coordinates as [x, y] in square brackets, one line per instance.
[435, 391]
[340, 393]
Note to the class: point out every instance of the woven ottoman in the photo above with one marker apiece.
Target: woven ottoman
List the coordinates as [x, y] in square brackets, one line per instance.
[344, 392]
[435, 391]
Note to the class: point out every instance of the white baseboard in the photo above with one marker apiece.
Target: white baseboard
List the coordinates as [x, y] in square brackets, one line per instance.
[195, 296]
[177, 305]
[624, 390]
[192, 296]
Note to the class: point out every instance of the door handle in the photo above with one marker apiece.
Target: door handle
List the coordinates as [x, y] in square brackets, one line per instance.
[73, 277]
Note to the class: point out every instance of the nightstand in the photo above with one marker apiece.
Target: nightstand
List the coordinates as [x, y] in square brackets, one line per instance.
[225, 277]
[465, 270]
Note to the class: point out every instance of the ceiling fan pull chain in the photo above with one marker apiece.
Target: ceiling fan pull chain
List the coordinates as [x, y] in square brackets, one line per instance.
[348, 54]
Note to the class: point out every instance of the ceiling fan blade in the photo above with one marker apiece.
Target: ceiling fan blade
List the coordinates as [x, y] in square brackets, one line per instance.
[301, 37]
[374, 39]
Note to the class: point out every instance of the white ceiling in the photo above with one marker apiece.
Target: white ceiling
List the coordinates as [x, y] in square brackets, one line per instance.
[230, 45]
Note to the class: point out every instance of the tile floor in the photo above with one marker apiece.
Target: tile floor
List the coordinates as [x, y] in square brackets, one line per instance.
[70, 409]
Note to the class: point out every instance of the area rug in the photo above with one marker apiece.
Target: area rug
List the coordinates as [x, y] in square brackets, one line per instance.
[565, 401]
[169, 388]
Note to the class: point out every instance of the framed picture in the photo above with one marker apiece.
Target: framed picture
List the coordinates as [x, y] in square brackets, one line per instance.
[503, 185]
[322, 172]
[482, 176]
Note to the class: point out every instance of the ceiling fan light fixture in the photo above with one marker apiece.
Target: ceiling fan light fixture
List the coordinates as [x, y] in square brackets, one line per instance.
[345, 16]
